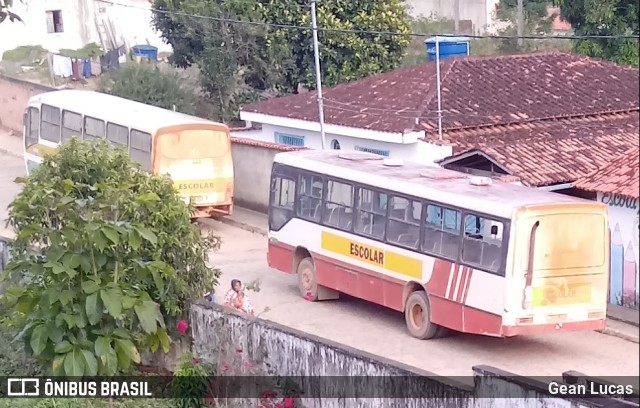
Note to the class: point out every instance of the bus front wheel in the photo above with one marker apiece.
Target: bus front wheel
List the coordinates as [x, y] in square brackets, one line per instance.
[307, 280]
[417, 316]
[308, 283]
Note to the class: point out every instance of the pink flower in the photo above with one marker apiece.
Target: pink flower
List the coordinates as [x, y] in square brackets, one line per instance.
[194, 360]
[239, 349]
[269, 394]
[182, 326]
[209, 400]
[308, 296]
[225, 368]
[289, 402]
[279, 405]
[247, 364]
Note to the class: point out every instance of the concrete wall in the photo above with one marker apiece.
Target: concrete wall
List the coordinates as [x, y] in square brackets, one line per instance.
[224, 338]
[252, 162]
[480, 12]
[79, 26]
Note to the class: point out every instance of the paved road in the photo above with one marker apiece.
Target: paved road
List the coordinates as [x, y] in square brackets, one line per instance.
[379, 331]
[382, 332]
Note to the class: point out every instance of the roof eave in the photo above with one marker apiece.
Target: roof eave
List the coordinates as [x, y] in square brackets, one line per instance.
[406, 137]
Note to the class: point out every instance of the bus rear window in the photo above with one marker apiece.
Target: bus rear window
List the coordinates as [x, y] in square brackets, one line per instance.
[569, 241]
[193, 144]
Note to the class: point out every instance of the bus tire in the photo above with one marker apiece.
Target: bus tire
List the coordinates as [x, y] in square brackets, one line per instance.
[417, 316]
[307, 280]
[308, 283]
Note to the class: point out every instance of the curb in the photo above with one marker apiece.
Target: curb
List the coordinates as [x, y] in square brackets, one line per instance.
[622, 320]
[242, 225]
[617, 333]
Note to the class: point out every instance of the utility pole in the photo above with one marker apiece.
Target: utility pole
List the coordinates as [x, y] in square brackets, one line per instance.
[316, 57]
[456, 16]
[520, 22]
[439, 95]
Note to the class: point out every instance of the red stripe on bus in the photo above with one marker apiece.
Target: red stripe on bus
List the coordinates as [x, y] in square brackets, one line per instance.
[437, 285]
[468, 284]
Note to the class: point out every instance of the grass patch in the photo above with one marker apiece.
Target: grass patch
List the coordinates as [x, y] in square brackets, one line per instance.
[88, 51]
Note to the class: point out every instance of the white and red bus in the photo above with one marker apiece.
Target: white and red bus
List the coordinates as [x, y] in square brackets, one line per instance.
[469, 254]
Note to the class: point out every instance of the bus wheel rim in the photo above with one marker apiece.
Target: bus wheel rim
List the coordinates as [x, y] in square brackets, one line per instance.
[307, 279]
[417, 315]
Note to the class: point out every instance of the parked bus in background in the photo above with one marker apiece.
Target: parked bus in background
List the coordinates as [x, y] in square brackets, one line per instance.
[470, 254]
[194, 152]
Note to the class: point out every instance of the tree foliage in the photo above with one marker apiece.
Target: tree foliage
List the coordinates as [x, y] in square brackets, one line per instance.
[243, 62]
[604, 17]
[536, 20]
[107, 256]
[6, 13]
[147, 83]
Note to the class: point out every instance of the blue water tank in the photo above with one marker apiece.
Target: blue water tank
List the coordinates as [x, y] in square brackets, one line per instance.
[145, 51]
[449, 47]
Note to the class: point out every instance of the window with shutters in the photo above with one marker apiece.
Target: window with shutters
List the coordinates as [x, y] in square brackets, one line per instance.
[140, 148]
[93, 128]
[118, 135]
[50, 124]
[71, 125]
[54, 21]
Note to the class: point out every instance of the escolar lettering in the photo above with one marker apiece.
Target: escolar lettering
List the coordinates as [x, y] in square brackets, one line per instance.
[193, 186]
[366, 253]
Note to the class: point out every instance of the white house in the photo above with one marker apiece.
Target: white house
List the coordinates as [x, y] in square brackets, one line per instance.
[481, 13]
[72, 24]
[618, 186]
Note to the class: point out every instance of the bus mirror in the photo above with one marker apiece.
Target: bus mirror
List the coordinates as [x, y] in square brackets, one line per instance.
[494, 230]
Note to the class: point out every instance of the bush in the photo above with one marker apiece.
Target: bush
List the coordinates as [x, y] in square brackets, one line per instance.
[109, 255]
[146, 83]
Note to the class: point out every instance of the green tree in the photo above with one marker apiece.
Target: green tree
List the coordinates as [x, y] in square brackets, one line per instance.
[604, 17]
[5, 12]
[235, 61]
[344, 56]
[147, 83]
[281, 59]
[104, 259]
[536, 20]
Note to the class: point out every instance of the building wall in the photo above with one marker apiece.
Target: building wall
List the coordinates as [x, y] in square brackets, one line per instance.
[418, 152]
[623, 224]
[480, 12]
[79, 24]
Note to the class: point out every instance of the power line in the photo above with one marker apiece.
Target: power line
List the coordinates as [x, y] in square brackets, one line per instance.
[372, 32]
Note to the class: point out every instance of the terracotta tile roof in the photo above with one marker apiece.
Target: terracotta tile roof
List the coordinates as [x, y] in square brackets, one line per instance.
[546, 153]
[266, 145]
[476, 91]
[620, 176]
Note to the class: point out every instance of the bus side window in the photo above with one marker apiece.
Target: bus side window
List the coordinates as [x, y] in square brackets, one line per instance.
[140, 148]
[370, 217]
[32, 125]
[482, 242]
[404, 222]
[118, 135]
[283, 191]
[338, 207]
[442, 232]
[93, 128]
[71, 125]
[50, 125]
[310, 197]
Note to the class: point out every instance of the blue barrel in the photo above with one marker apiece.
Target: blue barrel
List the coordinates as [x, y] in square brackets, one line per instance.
[449, 47]
[145, 51]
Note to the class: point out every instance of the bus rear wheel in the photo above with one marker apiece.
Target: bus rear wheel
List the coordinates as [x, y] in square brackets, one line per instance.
[417, 316]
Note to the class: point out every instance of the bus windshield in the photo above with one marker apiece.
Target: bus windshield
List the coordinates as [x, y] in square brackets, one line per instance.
[193, 144]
